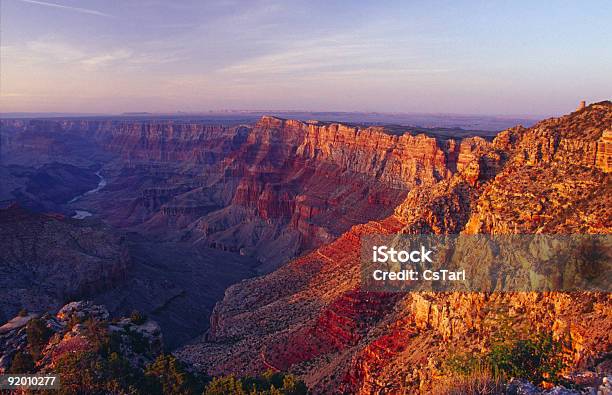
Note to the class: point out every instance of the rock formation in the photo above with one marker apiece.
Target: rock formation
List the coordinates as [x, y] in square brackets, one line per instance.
[272, 190]
[603, 159]
[311, 318]
[69, 332]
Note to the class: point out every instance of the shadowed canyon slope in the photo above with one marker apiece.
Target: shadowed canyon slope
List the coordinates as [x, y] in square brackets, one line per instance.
[47, 259]
[311, 318]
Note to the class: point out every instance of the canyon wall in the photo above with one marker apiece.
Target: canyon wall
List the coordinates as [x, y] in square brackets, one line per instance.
[310, 317]
[271, 190]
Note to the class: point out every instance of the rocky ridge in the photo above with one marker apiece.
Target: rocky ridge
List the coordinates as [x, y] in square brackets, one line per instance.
[68, 332]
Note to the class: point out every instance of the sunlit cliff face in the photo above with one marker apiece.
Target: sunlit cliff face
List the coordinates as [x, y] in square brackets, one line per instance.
[314, 318]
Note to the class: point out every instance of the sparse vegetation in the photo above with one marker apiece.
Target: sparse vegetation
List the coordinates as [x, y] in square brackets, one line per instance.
[538, 359]
[38, 335]
[169, 376]
[225, 385]
[97, 334]
[92, 373]
[462, 364]
[22, 363]
[480, 381]
[269, 383]
[95, 361]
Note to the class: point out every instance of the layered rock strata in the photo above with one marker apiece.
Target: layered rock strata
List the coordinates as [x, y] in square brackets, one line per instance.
[311, 317]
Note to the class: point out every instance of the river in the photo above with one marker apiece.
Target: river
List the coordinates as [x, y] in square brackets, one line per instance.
[81, 214]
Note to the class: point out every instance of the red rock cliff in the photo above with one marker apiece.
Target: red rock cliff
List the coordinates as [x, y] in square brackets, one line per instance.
[310, 316]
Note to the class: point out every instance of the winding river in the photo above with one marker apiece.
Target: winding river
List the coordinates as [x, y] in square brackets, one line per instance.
[82, 214]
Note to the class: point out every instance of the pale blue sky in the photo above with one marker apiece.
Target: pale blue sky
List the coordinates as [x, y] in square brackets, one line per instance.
[476, 57]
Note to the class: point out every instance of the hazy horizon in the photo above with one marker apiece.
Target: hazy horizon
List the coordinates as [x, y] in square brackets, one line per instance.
[272, 111]
[475, 58]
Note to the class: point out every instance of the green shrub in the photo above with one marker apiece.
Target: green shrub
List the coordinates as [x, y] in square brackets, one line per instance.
[22, 363]
[226, 385]
[37, 334]
[268, 383]
[537, 360]
[293, 386]
[462, 364]
[172, 377]
[81, 373]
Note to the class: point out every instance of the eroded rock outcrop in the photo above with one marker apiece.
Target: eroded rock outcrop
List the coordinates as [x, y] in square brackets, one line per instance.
[75, 328]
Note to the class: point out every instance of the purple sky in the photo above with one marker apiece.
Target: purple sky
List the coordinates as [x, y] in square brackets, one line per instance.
[475, 57]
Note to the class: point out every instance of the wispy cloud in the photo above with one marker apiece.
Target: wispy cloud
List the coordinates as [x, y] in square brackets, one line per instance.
[53, 51]
[45, 49]
[107, 58]
[341, 56]
[66, 7]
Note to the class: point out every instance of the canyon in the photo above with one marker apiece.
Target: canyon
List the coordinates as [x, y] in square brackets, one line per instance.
[305, 319]
[270, 191]
[200, 205]
[249, 234]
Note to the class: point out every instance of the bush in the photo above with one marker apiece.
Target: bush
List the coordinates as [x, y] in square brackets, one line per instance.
[463, 364]
[22, 363]
[23, 313]
[269, 383]
[120, 371]
[537, 360]
[97, 334]
[37, 334]
[226, 385]
[81, 373]
[293, 386]
[172, 377]
[88, 372]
